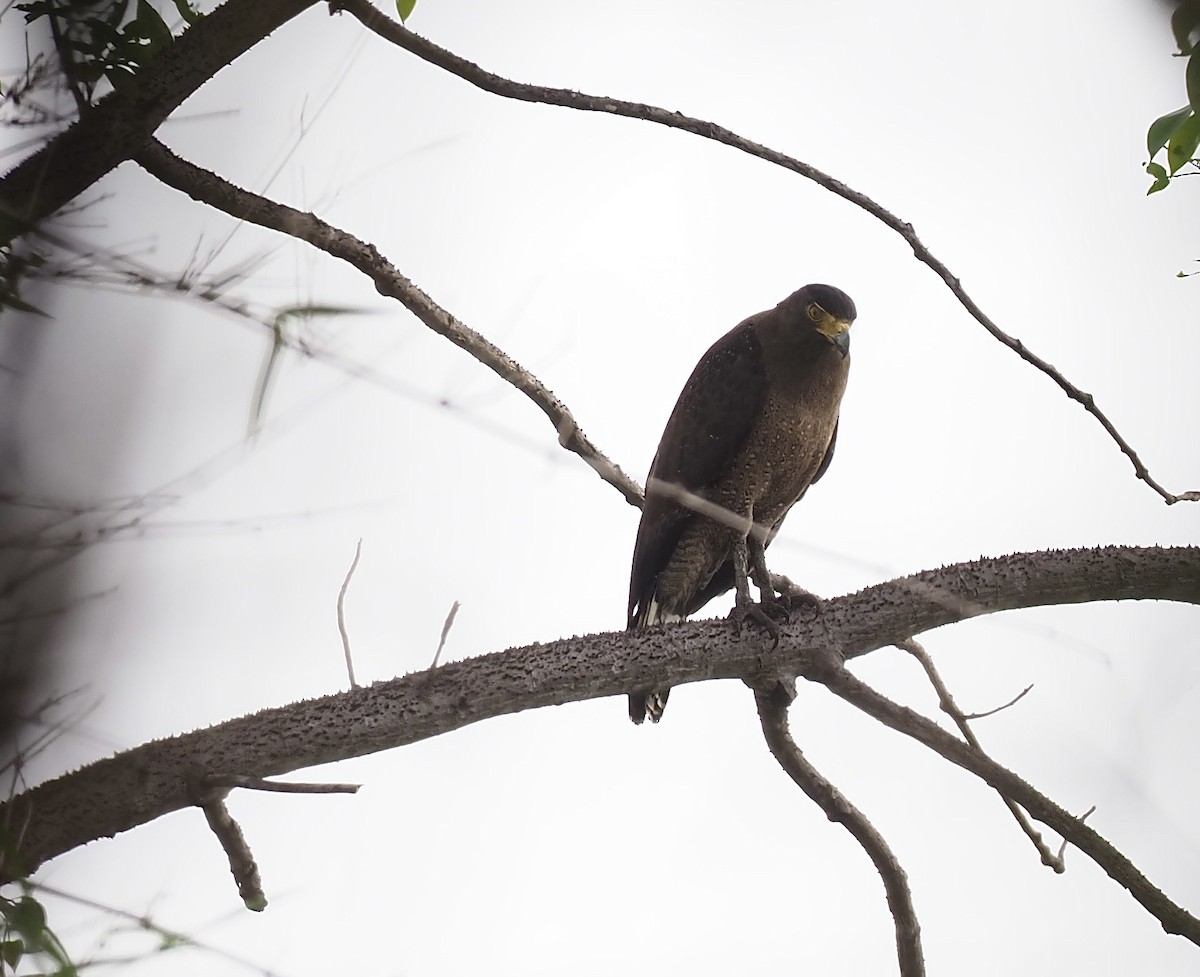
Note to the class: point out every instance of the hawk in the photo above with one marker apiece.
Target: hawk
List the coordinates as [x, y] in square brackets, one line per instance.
[754, 427]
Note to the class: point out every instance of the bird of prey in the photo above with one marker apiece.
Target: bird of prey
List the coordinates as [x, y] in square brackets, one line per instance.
[754, 427]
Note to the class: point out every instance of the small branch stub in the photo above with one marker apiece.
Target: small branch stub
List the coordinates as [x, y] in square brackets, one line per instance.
[211, 800]
[341, 614]
[449, 623]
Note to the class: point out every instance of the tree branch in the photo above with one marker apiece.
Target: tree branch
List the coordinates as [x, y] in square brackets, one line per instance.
[772, 713]
[111, 131]
[215, 191]
[1174, 918]
[141, 784]
[242, 863]
[950, 708]
[399, 35]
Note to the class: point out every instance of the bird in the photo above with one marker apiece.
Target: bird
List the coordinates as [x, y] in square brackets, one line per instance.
[754, 427]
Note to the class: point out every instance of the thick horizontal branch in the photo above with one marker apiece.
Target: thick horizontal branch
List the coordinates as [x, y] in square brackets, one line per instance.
[134, 787]
[119, 125]
[215, 191]
[399, 35]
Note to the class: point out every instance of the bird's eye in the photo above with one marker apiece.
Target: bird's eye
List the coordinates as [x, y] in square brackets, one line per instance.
[815, 312]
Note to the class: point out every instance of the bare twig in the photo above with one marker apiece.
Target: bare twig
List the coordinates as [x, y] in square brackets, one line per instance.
[209, 792]
[772, 713]
[1062, 849]
[991, 712]
[950, 708]
[399, 35]
[341, 614]
[1173, 917]
[226, 781]
[449, 623]
[211, 189]
[229, 834]
[166, 937]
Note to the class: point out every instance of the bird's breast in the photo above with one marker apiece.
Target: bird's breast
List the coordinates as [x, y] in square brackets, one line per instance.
[786, 445]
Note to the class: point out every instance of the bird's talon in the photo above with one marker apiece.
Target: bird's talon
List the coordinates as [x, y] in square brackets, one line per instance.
[749, 611]
[777, 608]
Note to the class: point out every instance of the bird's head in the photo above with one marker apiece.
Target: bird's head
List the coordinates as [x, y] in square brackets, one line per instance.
[829, 311]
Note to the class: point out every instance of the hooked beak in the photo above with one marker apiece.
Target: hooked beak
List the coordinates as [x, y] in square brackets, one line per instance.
[837, 331]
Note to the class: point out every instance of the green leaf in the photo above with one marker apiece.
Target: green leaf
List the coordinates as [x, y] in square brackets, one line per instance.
[28, 918]
[103, 31]
[1184, 22]
[116, 13]
[315, 311]
[1163, 128]
[10, 301]
[119, 77]
[1192, 76]
[405, 8]
[33, 11]
[1181, 147]
[11, 951]
[1161, 180]
[150, 25]
[189, 13]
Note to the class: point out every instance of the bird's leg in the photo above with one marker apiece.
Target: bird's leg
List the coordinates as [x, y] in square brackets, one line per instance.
[744, 607]
[768, 601]
[758, 567]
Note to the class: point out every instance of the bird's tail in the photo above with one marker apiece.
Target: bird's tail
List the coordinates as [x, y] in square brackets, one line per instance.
[643, 704]
[652, 703]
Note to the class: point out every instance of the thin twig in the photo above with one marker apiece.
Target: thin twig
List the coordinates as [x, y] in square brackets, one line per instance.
[1062, 849]
[950, 708]
[341, 614]
[215, 191]
[449, 623]
[167, 937]
[772, 713]
[227, 781]
[397, 34]
[991, 712]
[1173, 917]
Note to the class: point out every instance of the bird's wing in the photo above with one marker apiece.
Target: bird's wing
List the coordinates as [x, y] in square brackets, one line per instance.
[710, 423]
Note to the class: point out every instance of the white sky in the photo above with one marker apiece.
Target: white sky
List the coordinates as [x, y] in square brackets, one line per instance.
[606, 255]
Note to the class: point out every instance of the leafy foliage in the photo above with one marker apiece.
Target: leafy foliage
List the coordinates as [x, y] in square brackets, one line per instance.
[104, 39]
[24, 935]
[1179, 131]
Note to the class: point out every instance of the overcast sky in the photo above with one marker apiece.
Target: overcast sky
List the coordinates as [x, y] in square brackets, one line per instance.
[606, 255]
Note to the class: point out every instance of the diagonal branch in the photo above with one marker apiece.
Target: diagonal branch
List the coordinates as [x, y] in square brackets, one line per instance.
[399, 35]
[950, 708]
[1173, 918]
[215, 191]
[772, 713]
